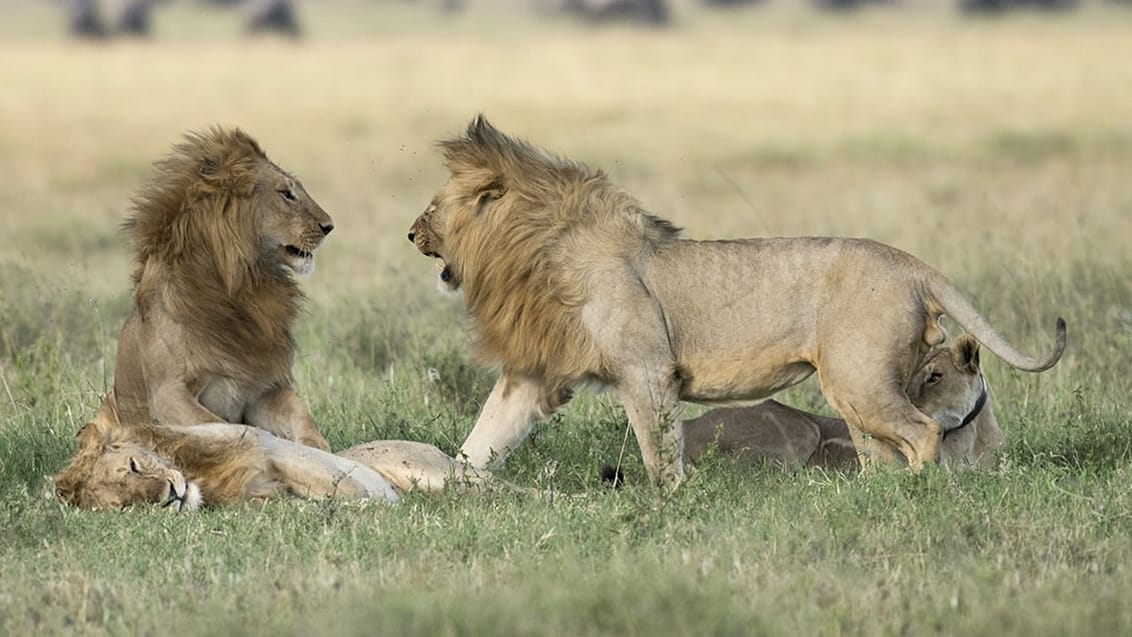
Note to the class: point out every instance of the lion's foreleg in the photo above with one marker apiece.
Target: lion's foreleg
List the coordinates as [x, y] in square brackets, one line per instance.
[872, 452]
[281, 412]
[513, 406]
[890, 430]
[652, 404]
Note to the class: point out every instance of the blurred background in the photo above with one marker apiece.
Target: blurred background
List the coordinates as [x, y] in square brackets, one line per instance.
[991, 138]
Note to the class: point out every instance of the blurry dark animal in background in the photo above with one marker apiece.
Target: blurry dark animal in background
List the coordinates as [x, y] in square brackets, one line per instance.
[93, 19]
[84, 21]
[653, 12]
[730, 3]
[134, 17]
[848, 5]
[275, 16]
[998, 6]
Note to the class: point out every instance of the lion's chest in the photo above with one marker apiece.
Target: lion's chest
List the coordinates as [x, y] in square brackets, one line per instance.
[226, 398]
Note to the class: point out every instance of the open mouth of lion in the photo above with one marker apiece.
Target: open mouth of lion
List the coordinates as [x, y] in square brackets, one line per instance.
[447, 278]
[300, 261]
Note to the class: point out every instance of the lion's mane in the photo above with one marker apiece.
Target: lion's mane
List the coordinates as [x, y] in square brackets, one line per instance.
[197, 249]
[226, 473]
[519, 266]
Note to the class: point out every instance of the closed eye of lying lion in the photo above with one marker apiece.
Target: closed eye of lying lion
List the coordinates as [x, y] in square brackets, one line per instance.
[218, 234]
[949, 387]
[569, 281]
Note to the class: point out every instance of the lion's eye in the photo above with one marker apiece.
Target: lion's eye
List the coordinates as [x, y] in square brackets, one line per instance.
[134, 468]
[288, 194]
[933, 378]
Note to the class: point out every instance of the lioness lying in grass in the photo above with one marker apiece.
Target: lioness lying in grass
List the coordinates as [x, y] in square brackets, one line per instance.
[949, 387]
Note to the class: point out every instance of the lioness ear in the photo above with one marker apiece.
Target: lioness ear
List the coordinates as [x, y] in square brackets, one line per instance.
[965, 353]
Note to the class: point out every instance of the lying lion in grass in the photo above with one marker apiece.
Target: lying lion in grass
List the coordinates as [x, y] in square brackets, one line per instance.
[569, 281]
[182, 468]
[219, 234]
[949, 387]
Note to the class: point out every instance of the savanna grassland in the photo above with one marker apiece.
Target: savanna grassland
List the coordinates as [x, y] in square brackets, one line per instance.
[997, 150]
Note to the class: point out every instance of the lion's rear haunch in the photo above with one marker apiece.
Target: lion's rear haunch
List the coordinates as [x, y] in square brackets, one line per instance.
[568, 280]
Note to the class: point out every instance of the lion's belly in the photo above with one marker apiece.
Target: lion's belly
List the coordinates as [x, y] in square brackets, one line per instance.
[738, 381]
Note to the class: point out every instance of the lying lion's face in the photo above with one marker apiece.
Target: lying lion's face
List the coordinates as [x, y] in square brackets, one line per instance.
[126, 474]
[292, 224]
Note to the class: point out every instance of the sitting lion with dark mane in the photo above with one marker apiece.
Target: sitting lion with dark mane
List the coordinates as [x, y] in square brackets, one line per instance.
[219, 234]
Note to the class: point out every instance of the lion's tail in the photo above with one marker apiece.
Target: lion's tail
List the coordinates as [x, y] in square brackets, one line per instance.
[955, 305]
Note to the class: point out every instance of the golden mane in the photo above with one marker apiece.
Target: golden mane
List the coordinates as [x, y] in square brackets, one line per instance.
[196, 240]
[524, 296]
[226, 473]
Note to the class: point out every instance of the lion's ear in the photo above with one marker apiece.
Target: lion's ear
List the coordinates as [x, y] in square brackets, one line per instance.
[91, 434]
[483, 147]
[965, 353]
[479, 128]
[488, 194]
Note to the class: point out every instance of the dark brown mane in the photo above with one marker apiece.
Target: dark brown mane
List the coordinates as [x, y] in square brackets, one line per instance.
[197, 245]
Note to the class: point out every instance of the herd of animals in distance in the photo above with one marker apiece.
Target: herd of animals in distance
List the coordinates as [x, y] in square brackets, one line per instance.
[104, 19]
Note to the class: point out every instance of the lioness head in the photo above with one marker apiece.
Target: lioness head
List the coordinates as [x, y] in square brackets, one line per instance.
[219, 206]
[112, 474]
[951, 388]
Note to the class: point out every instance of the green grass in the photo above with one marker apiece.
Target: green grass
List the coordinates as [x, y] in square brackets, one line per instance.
[996, 150]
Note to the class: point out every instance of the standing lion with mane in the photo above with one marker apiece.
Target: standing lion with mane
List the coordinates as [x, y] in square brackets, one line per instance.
[219, 234]
[569, 281]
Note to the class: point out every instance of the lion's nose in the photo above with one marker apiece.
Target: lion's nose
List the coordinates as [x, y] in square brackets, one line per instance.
[412, 235]
[326, 228]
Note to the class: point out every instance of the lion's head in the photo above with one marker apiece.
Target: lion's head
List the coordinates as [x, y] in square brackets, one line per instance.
[220, 212]
[120, 465]
[111, 473]
[500, 228]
